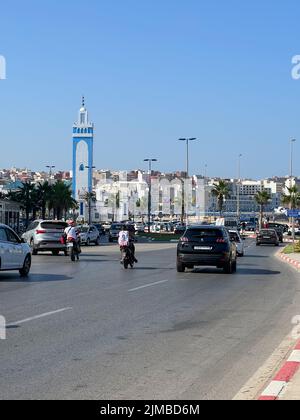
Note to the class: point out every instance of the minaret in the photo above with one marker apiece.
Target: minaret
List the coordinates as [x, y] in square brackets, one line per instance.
[83, 139]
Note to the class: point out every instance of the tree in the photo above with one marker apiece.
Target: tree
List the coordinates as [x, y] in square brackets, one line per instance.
[262, 198]
[26, 197]
[44, 192]
[292, 199]
[61, 199]
[221, 192]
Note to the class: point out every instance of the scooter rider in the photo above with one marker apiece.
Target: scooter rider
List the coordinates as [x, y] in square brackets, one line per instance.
[72, 235]
[126, 240]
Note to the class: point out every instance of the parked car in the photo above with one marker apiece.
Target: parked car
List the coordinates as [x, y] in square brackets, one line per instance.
[268, 237]
[15, 254]
[106, 226]
[45, 235]
[89, 234]
[100, 228]
[139, 227]
[179, 229]
[250, 227]
[279, 229]
[236, 237]
[206, 246]
[114, 232]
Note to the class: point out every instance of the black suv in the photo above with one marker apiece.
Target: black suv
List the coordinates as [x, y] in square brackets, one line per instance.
[279, 230]
[206, 246]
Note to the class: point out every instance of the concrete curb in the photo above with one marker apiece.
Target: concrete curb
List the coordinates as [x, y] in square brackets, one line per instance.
[289, 260]
[277, 386]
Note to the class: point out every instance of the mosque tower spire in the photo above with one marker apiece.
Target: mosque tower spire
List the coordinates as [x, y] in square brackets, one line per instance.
[83, 141]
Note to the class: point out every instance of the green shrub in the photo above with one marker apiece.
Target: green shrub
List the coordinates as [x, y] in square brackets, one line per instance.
[297, 247]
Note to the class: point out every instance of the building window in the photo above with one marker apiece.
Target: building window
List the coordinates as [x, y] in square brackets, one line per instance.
[81, 167]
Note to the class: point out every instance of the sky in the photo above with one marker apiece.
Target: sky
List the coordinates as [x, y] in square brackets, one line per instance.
[152, 71]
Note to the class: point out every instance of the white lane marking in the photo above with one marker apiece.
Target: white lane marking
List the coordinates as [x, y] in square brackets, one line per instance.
[295, 356]
[148, 285]
[274, 389]
[38, 317]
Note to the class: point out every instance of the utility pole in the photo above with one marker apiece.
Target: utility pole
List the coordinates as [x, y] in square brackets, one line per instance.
[149, 160]
[90, 197]
[187, 140]
[238, 188]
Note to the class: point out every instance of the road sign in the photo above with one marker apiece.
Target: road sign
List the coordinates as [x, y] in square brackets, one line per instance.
[293, 213]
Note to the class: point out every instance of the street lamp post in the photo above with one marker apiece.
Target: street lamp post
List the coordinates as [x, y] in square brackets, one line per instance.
[50, 167]
[89, 197]
[187, 140]
[291, 184]
[149, 160]
[238, 188]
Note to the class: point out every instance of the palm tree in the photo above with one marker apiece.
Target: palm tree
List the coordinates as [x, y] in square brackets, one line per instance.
[292, 199]
[221, 192]
[262, 198]
[26, 197]
[44, 194]
[61, 199]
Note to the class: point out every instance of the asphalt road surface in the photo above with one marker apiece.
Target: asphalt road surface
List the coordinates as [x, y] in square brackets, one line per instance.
[92, 330]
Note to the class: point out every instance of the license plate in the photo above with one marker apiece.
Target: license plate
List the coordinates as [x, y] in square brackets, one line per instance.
[266, 237]
[203, 248]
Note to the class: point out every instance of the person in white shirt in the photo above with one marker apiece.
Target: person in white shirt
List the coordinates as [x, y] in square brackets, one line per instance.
[72, 236]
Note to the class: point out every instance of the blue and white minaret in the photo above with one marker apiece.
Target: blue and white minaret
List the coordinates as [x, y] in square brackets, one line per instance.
[83, 139]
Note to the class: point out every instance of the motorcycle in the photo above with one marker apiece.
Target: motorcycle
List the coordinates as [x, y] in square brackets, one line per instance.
[128, 257]
[73, 249]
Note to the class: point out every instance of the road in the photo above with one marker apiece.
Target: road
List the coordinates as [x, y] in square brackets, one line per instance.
[91, 330]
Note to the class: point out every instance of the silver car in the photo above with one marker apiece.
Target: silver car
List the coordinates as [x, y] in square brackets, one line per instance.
[14, 253]
[89, 234]
[45, 235]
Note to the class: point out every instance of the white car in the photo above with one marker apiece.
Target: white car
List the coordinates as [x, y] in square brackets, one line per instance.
[89, 234]
[236, 237]
[15, 254]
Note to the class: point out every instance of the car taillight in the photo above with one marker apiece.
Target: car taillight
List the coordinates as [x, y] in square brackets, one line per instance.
[39, 232]
[220, 241]
[184, 239]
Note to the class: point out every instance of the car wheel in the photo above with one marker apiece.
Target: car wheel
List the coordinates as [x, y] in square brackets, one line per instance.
[34, 251]
[97, 241]
[180, 267]
[26, 267]
[228, 267]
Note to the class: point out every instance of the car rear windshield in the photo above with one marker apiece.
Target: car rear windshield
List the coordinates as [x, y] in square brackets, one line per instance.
[116, 227]
[205, 235]
[234, 236]
[54, 225]
[267, 232]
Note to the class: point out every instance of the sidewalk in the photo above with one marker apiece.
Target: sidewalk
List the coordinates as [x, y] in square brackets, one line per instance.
[292, 389]
[292, 259]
